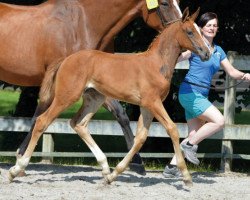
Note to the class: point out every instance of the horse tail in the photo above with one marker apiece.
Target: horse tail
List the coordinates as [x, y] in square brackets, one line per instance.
[47, 90]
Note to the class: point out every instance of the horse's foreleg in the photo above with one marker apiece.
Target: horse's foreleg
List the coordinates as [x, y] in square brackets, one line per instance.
[92, 102]
[42, 122]
[117, 110]
[144, 122]
[162, 116]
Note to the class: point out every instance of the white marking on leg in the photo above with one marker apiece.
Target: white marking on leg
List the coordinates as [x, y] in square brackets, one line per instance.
[20, 165]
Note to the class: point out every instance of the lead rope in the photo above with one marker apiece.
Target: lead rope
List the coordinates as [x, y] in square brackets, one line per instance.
[213, 87]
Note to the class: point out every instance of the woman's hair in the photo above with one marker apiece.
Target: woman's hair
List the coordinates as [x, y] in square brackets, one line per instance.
[205, 18]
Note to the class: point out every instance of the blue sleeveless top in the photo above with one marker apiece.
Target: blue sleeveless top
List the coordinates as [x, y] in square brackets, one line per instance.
[201, 73]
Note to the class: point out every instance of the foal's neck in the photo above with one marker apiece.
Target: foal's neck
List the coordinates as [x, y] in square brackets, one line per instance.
[167, 48]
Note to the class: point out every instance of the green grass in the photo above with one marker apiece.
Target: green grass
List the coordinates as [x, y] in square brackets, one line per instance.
[9, 99]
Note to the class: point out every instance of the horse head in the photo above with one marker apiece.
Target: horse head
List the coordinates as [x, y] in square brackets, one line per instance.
[190, 37]
[161, 14]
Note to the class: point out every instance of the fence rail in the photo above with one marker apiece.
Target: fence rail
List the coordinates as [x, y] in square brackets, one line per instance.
[112, 128]
[100, 127]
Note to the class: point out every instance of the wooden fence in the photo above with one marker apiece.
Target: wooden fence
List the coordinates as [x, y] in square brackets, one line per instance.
[100, 127]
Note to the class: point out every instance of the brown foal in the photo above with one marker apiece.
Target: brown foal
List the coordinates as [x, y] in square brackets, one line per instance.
[142, 79]
[34, 37]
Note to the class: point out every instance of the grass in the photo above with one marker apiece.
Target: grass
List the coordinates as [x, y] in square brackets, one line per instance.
[9, 99]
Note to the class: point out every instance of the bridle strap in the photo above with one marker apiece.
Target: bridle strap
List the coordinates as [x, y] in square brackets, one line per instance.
[158, 11]
[164, 22]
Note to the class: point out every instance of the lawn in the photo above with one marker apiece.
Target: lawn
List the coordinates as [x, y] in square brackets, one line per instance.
[9, 99]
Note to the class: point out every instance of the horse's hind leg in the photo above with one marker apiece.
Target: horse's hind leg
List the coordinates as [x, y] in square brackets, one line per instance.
[117, 110]
[46, 96]
[42, 122]
[42, 106]
[162, 116]
[20, 151]
[144, 122]
[92, 102]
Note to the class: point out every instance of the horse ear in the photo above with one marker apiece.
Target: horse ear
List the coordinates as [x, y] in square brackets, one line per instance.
[185, 14]
[195, 15]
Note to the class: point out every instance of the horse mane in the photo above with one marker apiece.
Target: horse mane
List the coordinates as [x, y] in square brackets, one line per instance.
[156, 40]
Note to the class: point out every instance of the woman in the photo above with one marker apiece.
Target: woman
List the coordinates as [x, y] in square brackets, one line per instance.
[203, 119]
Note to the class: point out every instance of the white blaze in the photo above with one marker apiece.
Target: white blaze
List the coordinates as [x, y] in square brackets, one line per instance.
[177, 7]
[199, 31]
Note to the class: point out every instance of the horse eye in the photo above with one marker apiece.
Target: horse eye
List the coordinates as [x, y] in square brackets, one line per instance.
[164, 3]
[190, 33]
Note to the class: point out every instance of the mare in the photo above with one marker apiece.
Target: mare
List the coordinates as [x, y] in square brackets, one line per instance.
[33, 38]
[142, 79]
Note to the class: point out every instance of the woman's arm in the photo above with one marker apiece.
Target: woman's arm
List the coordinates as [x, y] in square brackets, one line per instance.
[184, 56]
[232, 72]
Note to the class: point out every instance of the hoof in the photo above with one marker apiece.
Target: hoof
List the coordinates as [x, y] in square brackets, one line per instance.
[138, 168]
[108, 179]
[10, 177]
[188, 183]
[22, 174]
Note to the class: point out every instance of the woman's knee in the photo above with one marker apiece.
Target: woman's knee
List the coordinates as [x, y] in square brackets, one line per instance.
[220, 122]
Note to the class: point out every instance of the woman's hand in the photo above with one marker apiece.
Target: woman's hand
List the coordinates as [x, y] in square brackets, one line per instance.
[246, 77]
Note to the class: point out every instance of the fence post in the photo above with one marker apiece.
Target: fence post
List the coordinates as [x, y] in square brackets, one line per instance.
[229, 112]
[48, 146]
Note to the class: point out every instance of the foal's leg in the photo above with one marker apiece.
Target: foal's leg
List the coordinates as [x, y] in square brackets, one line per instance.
[39, 110]
[42, 106]
[117, 110]
[144, 122]
[92, 102]
[46, 96]
[41, 124]
[162, 116]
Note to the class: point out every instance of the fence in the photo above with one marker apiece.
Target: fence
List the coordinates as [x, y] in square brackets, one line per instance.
[99, 127]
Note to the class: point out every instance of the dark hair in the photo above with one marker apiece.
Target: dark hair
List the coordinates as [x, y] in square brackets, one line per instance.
[205, 18]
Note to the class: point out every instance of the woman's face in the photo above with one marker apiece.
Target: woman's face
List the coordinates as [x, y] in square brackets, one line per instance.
[210, 29]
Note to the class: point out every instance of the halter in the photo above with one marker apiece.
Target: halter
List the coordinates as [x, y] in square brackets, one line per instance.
[164, 22]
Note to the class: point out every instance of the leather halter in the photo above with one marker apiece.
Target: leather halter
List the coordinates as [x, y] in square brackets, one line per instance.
[163, 21]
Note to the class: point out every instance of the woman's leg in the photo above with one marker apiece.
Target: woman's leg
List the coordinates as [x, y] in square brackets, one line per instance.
[198, 131]
[193, 126]
[214, 122]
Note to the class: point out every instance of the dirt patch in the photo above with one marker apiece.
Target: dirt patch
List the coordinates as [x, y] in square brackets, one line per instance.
[85, 182]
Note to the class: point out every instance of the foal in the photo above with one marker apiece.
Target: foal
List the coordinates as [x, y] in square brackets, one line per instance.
[142, 79]
[33, 38]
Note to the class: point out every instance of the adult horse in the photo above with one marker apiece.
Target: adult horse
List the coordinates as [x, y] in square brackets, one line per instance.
[142, 79]
[34, 37]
